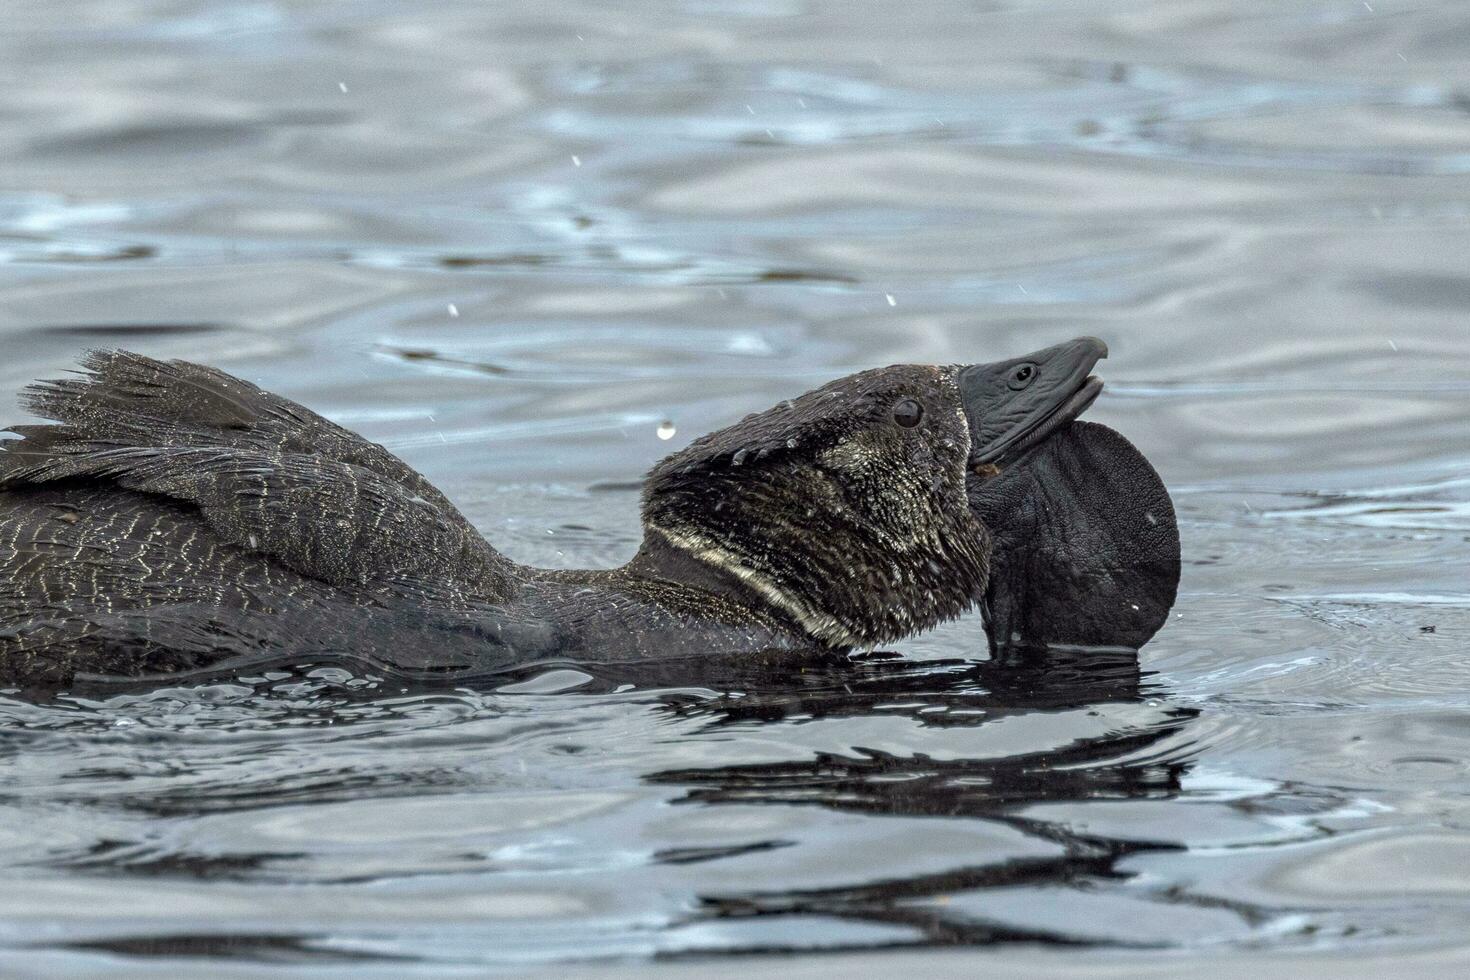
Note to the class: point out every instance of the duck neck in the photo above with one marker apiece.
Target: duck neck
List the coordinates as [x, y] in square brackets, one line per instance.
[680, 580]
[660, 561]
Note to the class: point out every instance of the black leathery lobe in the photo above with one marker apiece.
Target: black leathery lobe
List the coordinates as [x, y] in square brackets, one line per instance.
[1086, 548]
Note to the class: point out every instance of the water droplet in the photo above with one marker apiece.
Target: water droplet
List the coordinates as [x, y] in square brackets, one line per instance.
[790, 443]
[748, 343]
[891, 300]
[576, 160]
[666, 430]
[453, 310]
[342, 86]
[739, 457]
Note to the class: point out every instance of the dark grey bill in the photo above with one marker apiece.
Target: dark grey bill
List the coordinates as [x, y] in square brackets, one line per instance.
[1086, 546]
[1014, 405]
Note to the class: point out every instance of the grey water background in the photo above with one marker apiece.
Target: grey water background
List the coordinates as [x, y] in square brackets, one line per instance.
[510, 240]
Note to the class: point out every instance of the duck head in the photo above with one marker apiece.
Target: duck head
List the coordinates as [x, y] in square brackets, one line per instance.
[891, 500]
[1015, 405]
[845, 509]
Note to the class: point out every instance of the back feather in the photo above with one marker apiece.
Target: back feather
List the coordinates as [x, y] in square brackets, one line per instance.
[267, 474]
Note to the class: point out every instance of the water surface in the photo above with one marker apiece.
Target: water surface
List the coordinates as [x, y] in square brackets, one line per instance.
[509, 241]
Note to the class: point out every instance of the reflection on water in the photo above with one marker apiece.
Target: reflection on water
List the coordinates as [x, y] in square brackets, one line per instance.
[511, 242]
[1114, 764]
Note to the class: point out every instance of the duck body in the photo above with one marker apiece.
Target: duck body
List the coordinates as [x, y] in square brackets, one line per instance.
[177, 519]
[181, 519]
[122, 584]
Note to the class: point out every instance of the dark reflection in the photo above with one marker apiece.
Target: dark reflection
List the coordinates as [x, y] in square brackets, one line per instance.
[1142, 761]
[129, 330]
[124, 253]
[946, 692]
[164, 139]
[804, 275]
[139, 860]
[260, 947]
[531, 259]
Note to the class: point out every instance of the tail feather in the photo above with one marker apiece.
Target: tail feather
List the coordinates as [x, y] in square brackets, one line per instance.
[126, 399]
[267, 473]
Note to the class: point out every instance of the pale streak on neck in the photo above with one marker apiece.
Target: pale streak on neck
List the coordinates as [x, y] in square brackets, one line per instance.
[820, 625]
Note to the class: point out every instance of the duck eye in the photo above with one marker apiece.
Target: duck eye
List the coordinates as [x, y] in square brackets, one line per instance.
[907, 413]
[1021, 377]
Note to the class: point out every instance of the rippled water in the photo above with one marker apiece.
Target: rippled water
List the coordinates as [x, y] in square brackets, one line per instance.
[510, 240]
